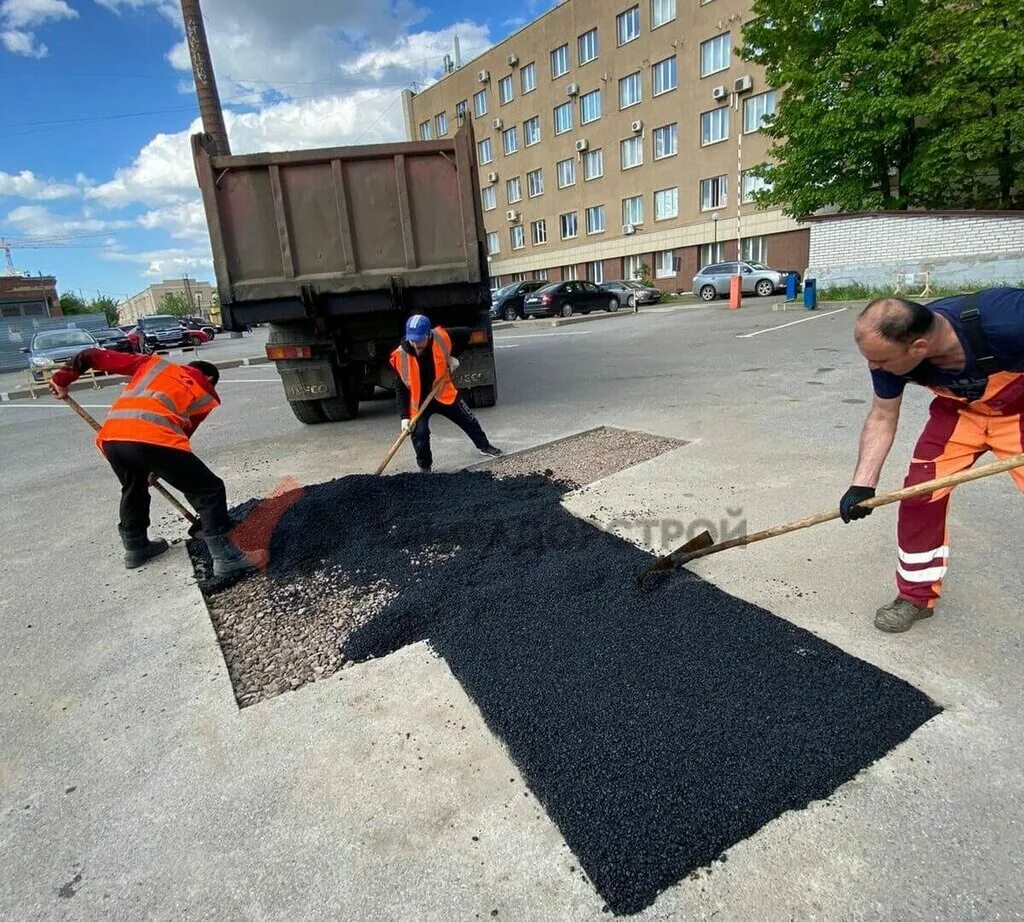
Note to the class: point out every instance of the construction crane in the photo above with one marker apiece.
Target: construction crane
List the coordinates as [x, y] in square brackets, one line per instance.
[53, 241]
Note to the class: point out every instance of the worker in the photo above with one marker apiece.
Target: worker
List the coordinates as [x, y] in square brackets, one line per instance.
[969, 350]
[426, 353]
[146, 437]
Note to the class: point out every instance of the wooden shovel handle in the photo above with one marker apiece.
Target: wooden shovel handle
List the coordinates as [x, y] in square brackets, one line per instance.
[672, 561]
[434, 391]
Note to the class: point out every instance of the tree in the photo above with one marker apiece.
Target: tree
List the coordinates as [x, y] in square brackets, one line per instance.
[174, 303]
[107, 307]
[643, 275]
[71, 304]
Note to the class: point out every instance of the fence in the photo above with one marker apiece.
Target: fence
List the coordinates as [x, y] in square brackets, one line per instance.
[16, 334]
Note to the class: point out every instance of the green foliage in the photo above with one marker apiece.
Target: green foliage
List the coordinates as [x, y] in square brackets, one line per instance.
[107, 307]
[643, 275]
[71, 304]
[860, 292]
[174, 303]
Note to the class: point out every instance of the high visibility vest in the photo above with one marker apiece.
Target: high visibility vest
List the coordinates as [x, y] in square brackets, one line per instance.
[408, 370]
[156, 407]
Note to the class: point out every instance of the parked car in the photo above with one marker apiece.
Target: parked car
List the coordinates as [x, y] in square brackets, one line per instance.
[115, 339]
[164, 331]
[507, 302]
[564, 299]
[713, 281]
[197, 323]
[629, 292]
[52, 348]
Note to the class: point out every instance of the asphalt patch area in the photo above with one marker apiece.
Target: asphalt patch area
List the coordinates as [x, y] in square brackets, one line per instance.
[657, 729]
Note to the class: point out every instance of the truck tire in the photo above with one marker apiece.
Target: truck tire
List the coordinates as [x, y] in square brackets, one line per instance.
[307, 411]
[486, 396]
[345, 406]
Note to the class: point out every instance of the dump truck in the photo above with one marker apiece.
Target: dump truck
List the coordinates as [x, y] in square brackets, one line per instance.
[335, 248]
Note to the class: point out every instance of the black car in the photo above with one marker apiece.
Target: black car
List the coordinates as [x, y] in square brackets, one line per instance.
[162, 331]
[115, 339]
[197, 323]
[563, 299]
[507, 302]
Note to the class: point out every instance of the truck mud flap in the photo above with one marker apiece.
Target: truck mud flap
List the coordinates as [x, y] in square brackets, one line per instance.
[476, 369]
[307, 380]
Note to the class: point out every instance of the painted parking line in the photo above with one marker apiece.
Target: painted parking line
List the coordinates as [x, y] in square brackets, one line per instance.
[792, 323]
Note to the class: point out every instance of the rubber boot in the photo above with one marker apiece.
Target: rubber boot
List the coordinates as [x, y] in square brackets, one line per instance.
[138, 548]
[899, 616]
[227, 558]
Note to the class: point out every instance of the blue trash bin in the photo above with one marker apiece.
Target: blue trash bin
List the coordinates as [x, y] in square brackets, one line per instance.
[810, 294]
[791, 286]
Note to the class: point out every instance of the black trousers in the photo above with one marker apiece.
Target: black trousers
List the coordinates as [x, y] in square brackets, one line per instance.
[133, 462]
[460, 414]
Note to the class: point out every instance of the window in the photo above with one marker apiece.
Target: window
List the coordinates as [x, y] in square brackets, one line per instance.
[754, 250]
[633, 210]
[593, 164]
[590, 107]
[566, 173]
[666, 204]
[514, 190]
[519, 277]
[711, 253]
[595, 220]
[531, 131]
[756, 110]
[493, 243]
[480, 103]
[567, 224]
[664, 75]
[441, 122]
[489, 198]
[495, 282]
[752, 185]
[569, 274]
[539, 232]
[632, 152]
[662, 11]
[528, 78]
[535, 183]
[483, 149]
[587, 44]
[510, 140]
[714, 193]
[563, 118]
[461, 109]
[595, 272]
[714, 54]
[628, 25]
[714, 126]
[505, 92]
[666, 141]
[665, 264]
[426, 130]
[559, 62]
[631, 267]
[517, 234]
[629, 91]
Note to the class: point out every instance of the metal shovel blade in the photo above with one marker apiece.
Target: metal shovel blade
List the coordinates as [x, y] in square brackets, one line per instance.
[698, 543]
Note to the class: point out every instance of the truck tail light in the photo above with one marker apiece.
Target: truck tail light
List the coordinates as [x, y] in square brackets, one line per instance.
[276, 353]
[478, 337]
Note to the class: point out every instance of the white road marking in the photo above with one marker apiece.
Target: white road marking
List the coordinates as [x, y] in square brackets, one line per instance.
[247, 381]
[792, 323]
[506, 345]
[548, 335]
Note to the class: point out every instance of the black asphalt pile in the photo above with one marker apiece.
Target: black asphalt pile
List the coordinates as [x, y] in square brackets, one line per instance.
[657, 729]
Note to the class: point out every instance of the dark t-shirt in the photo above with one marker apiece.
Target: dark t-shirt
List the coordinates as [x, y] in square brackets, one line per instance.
[1002, 323]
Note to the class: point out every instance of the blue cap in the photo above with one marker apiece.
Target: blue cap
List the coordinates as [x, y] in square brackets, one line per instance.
[417, 328]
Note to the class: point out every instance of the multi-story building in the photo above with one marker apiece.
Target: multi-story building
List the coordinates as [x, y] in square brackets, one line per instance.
[147, 302]
[29, 296]
[612, 134]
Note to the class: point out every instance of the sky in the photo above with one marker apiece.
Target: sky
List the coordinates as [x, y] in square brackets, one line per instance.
[98, 106]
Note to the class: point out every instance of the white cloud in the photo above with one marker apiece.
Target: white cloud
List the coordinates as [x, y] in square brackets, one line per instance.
[37, 220]
[167, 263]
[183, 220]
[18, 19]
[27, 185]
[24, 43]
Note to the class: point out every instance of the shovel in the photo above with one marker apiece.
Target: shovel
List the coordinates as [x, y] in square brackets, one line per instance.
[703, 545]
[434, 391]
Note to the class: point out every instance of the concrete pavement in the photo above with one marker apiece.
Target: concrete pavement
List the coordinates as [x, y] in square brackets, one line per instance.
[132, 787]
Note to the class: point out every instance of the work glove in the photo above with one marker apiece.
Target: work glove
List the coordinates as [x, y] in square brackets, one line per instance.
[405, 425]
[848, 504]
[453, 363]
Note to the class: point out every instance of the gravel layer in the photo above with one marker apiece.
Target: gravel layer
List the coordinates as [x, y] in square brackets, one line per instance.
[657, 729]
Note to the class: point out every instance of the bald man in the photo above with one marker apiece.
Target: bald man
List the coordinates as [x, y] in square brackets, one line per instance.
[969, 350]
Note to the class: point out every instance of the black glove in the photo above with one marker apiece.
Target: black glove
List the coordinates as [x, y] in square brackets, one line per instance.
[848, 504]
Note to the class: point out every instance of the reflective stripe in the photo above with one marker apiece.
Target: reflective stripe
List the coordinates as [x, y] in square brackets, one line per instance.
[442, 343]
[143, 383]
[196, 405]
[160, 397]
[155, 418]
[924, 556]
[931, 575]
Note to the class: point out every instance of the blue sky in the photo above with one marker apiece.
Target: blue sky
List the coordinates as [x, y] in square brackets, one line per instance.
[99, 104]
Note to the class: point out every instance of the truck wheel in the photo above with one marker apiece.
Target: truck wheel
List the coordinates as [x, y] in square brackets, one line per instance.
[367, 391]
[345, 406]
[486, 396]
[307, 411]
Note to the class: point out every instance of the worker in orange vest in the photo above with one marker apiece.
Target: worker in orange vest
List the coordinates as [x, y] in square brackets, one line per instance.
[425, 354]
[146, 436]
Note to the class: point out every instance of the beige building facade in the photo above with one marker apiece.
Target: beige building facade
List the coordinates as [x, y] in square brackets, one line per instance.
[147, 302]
[612, 135]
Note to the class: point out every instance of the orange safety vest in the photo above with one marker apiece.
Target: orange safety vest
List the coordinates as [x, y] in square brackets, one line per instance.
[156, 407]
[408, 369]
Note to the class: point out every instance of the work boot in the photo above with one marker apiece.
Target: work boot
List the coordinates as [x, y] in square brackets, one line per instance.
[137, 546]
[424, 466]
[899, 616]
[491, 451]
[227, 558]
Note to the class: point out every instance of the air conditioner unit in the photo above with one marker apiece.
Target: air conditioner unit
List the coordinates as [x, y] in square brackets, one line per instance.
[497, 123]
[512, 215]
[628, 229]
[512, 60]
[582, 144]
[637, 126]
[492, 177]
[743, 85]
[484, 76]
[573, 89]
[719, 92]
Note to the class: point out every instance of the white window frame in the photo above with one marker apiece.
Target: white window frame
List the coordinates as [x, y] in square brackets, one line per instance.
[489, 198]
[755, 249]
[669, 66]
[493, 243]
[517, 237]
[530, 126]
[662, 12]
[528, 78]
[441, 124]
[505, 85]
[539, 233]
[510, 140]
[426, 130]
[634, 81]
[714, 192]
[715, 118]
[569, 220]
[559, 56]
[570, 273]
[631, 266]
[759, 106]
[595, 219]
[565, 171]
[535, 183]
[661, 270]
[479, 111]
[461, 110]
[595, 271]
[667, 131]
[563, 108]
[481, 147]
[669, 200]
[514, 183]
[711, 253]
[627, 25]
[718, 56]
[635, 145]
[584, 120]
[590, 158]
[540, 275]
[751, 185]
[592, 45]
[633, 210]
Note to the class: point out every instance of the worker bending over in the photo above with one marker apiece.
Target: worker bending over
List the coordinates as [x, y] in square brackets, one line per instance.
[146, 435]
[969, 350]
[425, 354]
